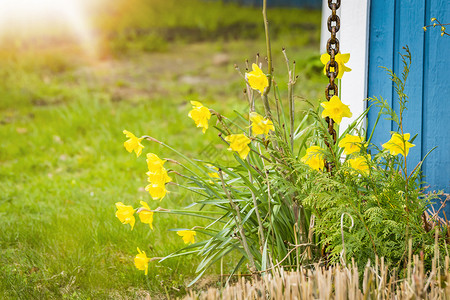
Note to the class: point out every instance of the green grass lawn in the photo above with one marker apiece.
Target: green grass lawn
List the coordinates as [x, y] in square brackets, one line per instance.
[63, 164]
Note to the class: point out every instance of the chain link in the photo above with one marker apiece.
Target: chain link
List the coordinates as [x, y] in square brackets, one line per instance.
[332, 67]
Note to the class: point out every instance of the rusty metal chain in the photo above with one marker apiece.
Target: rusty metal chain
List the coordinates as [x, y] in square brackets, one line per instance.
[331, 90]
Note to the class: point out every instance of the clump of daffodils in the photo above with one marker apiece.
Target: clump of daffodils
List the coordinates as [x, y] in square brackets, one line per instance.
[273, 173]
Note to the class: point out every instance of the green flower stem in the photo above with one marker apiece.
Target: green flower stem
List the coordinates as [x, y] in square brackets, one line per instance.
[291, 112]
[291, 84]
[355, 209]
[266, 104]
[250, 177]
[178, 212]
[269, 62]
[287, 256]
[269, 215]
[281, 118]
[258, 216]
[152, 139]
[238, 221]
[220, 118]
[174, 211]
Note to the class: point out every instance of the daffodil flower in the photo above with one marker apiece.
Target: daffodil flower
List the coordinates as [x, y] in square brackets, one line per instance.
[341, 60]
[360, 164]
[260, 125]
[125, 213]
[314, 158]
[335, 109]
[239, 143]
[187, 235]
[157, 176]
[160, 177]
[145, 215]
[156, 190]
[133, 143]
[351, 143]
[141, 261]
[200, 114]
[154, 163]
[257, 79]
[215, 174]
[399, 144]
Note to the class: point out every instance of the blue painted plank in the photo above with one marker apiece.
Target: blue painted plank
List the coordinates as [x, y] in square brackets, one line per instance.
[381, 45]
[410, 15]
[436, 113]
[393, 25]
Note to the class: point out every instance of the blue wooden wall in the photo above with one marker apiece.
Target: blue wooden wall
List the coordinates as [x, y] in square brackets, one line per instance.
[314, 4]
[394, 24]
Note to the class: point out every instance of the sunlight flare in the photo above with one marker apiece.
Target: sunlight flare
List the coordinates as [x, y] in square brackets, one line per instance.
[38, 19]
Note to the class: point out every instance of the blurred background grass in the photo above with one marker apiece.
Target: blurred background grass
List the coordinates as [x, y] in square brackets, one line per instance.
[62, 112]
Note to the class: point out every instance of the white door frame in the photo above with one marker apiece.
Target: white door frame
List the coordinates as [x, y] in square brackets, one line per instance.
[354, 39]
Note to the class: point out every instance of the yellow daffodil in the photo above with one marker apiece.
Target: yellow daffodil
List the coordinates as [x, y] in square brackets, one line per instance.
[187, 235]
[159, 177]
[239, 143]
[335, 109]
[200, 114]
[351, 143]
[154, 163]
[133, 143]
[125, 213]
[157, 191]
[399, 144]
[341, 60]
[260, 125]
[145, 215]
[360, 164]
[141, 261]
[257, 79]
[215, 174]
[314, 158]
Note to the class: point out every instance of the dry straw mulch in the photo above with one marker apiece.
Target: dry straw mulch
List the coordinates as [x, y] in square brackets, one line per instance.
[339, 282]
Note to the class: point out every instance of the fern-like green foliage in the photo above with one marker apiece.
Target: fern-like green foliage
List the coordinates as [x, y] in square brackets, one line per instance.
[368, 214]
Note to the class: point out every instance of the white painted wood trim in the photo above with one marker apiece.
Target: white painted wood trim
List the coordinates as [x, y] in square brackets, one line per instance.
[354, 39]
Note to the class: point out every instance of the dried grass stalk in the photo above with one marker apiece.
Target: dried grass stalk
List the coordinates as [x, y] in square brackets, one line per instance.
[338, 282]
